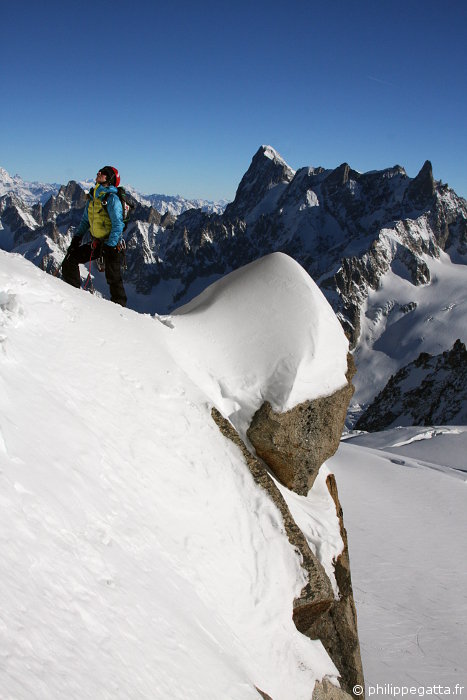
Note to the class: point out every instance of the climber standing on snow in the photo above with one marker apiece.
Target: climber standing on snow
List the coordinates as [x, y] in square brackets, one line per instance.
[103, 216]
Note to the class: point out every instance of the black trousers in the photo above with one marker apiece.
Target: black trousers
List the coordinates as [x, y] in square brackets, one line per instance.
[113, 269]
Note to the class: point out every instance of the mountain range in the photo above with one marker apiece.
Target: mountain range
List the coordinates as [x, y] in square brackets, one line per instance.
[388, 251]
[32, 192]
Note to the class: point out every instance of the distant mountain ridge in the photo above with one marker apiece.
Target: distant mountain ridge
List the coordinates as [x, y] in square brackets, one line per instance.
[29, 192]
[388, 251]
[33, 192]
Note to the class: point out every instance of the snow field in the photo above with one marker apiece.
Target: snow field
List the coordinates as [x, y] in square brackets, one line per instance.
[140, 559]
[404, 496]
[391, 338]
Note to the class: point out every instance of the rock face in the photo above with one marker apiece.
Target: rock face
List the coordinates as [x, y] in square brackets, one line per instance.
[317, 595]
[292, 446]
[316, 612]
[432, 390]
[337, 626]
[70, 197]
[295, 444]
[267, 171]
[327, 691]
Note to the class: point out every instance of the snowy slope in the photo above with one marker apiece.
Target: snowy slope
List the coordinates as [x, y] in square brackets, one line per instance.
[404, 495]
[139, 557]
[400, 320]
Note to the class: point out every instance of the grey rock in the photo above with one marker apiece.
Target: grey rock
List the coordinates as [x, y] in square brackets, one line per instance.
[325, 690]
[337, 626]
[69, 197]
[422, 188]
[295, 444]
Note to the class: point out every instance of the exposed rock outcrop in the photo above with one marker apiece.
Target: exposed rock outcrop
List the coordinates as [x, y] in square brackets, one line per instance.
[337, 626]
[267, 170]
[421, 190]
[317, 596]
[431, 390]
[295, 444]
[70, 196]
[325, 690]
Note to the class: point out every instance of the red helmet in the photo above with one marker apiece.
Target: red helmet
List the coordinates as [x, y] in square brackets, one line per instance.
[113, 177]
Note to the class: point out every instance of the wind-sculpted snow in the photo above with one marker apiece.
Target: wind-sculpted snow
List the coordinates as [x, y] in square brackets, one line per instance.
[262, 333]
[139, 558]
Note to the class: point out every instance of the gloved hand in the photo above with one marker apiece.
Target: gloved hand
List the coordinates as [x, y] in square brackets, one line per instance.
[111, 251]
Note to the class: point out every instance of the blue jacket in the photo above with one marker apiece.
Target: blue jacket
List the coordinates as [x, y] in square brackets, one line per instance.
[114, 211]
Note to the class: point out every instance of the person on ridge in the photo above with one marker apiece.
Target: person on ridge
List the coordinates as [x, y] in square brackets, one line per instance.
[103, 216]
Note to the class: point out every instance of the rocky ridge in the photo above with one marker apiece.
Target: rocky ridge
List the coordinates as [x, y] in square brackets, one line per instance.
[431, 390]
[29, 192]
[345, 228]
[317, 612]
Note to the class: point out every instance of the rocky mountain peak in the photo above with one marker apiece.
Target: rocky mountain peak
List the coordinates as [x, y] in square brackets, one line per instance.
[70, 196]
[267, 170]
[72, 191]
[422, 188]
[340, 177]
[28, 192]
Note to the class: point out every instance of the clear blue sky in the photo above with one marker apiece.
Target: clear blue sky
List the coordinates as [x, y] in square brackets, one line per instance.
[180, 96]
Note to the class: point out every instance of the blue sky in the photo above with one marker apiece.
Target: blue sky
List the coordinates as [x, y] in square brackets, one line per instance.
[180, 96]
